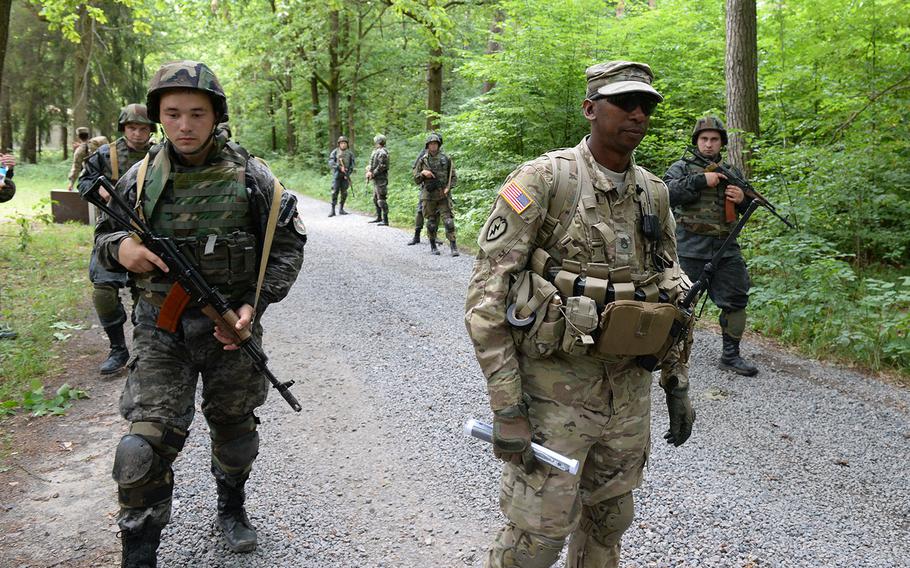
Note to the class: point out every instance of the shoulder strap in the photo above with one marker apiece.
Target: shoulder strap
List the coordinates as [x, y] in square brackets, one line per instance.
[270, 225]
[564, 197]
[115, 164]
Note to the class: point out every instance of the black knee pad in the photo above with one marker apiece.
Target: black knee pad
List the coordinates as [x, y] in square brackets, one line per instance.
[234, 446]
[106, 299]
[608, 520]
[144, 478]
[432, 225]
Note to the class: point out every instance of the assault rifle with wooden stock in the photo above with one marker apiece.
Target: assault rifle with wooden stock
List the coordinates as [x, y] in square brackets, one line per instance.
[190, 288]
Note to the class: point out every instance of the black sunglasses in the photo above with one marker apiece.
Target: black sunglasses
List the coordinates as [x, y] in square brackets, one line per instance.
[630, 101]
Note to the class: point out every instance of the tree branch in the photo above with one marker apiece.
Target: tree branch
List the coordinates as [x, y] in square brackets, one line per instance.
[872, 100]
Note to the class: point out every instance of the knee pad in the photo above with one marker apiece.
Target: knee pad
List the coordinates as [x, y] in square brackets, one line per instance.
[733, 323]
[234, 446]
[107, 303]
[450, 224]
[608, 520]
[531, 550]
[144, 478]
[432, 225]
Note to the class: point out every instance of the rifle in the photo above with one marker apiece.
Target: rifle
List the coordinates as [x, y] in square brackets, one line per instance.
[189, 287]
[732, 179]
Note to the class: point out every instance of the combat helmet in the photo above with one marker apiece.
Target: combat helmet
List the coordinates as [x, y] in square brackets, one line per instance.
[135, 113]
[433, 137]
[342, 139]
[379, 139]
[186, 75]
[709, 123]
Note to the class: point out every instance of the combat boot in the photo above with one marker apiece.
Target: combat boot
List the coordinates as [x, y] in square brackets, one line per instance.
[454, 248]
[119, 354]
[341, 210]
[732, 361]
[416, 239]
[378, 218]
[385, 220]
[332, 214]
[140, 548]
[236, 526]
[433, 249]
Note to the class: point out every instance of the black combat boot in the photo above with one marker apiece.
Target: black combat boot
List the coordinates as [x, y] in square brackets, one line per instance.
[140, 548]
[732, 361]
[454, 248]
[119, 354]
[332, 214]
[385, 219]
[238, 530]
[341, 210]
[378, 218]
[416, 239]
[433, 249]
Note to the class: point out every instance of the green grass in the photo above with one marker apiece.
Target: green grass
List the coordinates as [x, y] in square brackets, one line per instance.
[34, 183]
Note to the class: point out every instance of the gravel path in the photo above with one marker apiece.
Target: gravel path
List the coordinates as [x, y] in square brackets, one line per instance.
[805, 465]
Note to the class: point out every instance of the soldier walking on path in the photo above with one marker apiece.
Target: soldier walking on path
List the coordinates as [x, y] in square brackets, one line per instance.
[213, 199]
[435, 174]
[341, 162]
[378, 172]
[80, 153]
[699, 199]
[569, 308]
[112, 161]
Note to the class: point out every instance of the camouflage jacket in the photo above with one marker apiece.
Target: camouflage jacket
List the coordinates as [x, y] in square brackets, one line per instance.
[286, 255]
[687, 184]
[99, 163]
[79, 155]
[379, 163]
[442, 167]
[339, 157]
[509, 237]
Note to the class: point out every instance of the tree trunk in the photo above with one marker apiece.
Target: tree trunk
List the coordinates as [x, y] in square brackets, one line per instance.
[493, 45]
[6, 121]
[290, 131]
[64, 142]
[270, 109]
[334, 76]
[5, 6]
[27, 151]
[314, 112]
[741, 71]
[82, 57]
[434, 88]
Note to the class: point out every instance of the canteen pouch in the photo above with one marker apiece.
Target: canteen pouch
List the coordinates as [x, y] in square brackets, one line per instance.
[631, 328]
[580, 321]
[531, 295]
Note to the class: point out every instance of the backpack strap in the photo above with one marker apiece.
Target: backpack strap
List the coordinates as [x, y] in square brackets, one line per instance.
[564, 197]
[271, 224]
[115, 163]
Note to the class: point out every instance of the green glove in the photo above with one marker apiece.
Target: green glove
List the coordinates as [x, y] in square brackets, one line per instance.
[681, 415]
[512, 437]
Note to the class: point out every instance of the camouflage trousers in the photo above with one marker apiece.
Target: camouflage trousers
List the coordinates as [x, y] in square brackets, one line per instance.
[380, 192]
[433, 211]
[161, 390]
[728, 289]
[598, 414]
[340, 186]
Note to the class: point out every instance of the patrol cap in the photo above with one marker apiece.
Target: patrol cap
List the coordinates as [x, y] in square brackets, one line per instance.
[82, 131]
[616, 77]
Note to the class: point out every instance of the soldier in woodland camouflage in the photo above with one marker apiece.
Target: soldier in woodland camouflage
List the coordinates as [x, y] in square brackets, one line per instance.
[435, 174]
[698, 199]
[112, 161]
[341, 162]
[378, 172]
[570, 235]
[213, 199]
[80, 153]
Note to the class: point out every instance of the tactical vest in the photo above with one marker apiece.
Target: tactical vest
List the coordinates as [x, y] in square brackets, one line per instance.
[706, 215]
[440, 165]
[206, 211]
[374, 162]
[123, 158]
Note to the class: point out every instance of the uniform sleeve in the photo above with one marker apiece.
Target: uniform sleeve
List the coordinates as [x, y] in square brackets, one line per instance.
[92, 168]
[107, 233]
[415, 171]
[78, 159]
[333, 160]
[684, 186]
[454, 181]
[382, 163]
[506, 243]
[286, 254]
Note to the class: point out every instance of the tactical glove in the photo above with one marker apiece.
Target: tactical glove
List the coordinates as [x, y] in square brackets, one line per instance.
[682, 416]
[512, 437]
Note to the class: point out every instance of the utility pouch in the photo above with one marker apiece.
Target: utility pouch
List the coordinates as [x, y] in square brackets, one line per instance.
[533, 312]
[581, 320]
[635, 328]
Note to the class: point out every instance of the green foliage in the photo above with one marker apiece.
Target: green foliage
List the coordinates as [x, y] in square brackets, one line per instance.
[34, 401]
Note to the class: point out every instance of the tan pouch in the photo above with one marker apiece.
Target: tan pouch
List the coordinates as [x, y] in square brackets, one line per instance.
[532, 296]
[581, 320]
[631, 328]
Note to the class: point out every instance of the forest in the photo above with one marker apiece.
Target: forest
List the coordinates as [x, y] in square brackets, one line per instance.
[816, 93]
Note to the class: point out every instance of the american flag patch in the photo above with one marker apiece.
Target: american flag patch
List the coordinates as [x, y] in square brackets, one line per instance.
[516, 196]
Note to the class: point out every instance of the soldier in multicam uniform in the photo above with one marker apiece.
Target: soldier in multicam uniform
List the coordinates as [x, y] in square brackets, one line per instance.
[341, 162]
[111, 161]
[213, 199]
[435, 174]
[378, 172]
[698, 199]
[80, 153]
[570, 234]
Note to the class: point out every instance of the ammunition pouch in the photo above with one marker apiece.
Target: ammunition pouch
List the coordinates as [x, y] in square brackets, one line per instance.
[629, 327]
[581, 322]
[533, 312]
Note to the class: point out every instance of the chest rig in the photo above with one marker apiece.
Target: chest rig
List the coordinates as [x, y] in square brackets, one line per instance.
[440, 165]
[705, 216]
[206, 211]
[123, 158]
